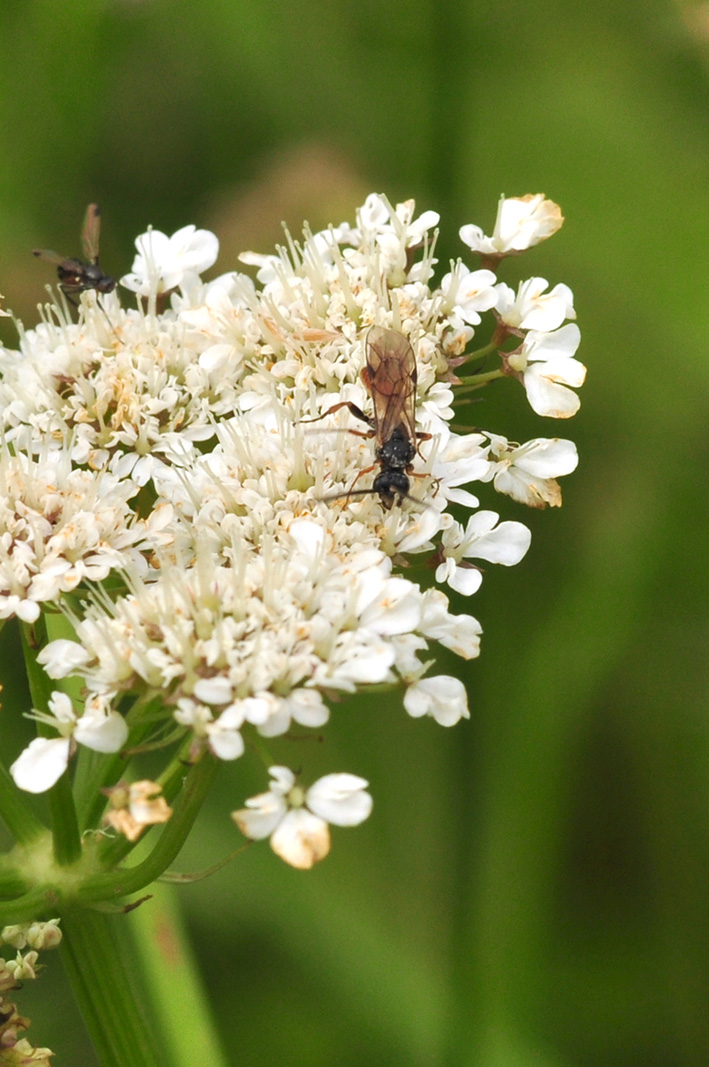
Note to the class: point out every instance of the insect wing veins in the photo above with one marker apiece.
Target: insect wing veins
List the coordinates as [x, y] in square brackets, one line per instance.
[390, 377]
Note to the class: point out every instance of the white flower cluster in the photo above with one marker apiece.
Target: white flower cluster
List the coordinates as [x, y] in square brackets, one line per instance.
[259, 567]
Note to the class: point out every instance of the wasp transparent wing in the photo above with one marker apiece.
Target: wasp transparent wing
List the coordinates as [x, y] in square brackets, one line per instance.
[390, 376]
[55, 258]
[91, 233]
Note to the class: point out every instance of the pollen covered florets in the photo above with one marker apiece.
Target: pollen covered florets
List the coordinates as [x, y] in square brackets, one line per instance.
[242, 475]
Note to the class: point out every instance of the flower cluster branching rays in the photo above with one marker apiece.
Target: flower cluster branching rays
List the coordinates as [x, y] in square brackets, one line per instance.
[230, 490]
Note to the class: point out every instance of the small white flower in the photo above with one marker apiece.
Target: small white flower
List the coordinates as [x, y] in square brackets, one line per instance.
[163, 262]
[545, 361]
[223, 734]
[462, 460]
[531, 308]
[528, 472]
[467, 293]
[522, 221]
[297, 820]
[443, 698]
[45, 759]
[62, 657]
[459, 633]
[482, 538]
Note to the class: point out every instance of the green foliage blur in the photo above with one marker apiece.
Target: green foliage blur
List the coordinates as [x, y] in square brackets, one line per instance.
[531, 889]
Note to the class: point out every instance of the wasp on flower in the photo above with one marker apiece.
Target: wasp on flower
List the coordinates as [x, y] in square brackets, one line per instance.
[153, 491]
[76, 276]
[390, 376]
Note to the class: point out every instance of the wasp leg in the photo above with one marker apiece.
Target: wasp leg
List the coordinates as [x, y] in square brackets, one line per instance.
[68, 290]
[354, 410]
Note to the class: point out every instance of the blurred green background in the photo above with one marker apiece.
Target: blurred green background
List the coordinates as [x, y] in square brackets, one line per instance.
[531, 890]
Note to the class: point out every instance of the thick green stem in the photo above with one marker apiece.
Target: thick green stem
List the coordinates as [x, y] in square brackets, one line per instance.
[65, 825]
[100, 961]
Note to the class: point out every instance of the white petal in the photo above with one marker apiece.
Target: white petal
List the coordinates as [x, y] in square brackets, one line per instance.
[282, 780]
[27, 610]
[465, 580]
[225, 740]
[475, 239]
[309, 537]
[396, 610]
[60, 658]
[225, 744]
[216, 690]
[506, 544]
[41, 764]
[307, 707]
[460, 633]
[102, 733]
[261, 815]
[443, 698]
[301, 839]
[548, 457]
[563, 371]
[61, 707]
[340, 799]
[546, 397]
[527, 489]
[561, 342]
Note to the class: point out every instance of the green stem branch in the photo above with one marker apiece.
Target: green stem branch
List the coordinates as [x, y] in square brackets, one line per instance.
[117, 884]
[474, 381]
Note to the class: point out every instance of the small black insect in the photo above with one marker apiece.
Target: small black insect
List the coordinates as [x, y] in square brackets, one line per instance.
[390, 377]
[75, 275]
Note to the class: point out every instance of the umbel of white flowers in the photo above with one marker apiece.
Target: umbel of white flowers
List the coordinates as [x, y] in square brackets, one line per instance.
[167, 445]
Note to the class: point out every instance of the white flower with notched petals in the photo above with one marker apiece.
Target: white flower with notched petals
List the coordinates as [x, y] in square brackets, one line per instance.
[482, 538]
[45, 759]
[545, 361]
[528, 472]
[531, 308]
[163, 262]
[296, 820]
[522, 221]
